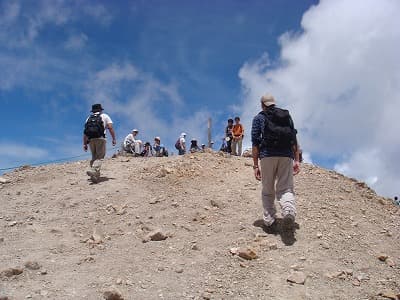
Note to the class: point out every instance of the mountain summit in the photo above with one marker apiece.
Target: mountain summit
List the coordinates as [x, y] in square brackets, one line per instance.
[187, 227]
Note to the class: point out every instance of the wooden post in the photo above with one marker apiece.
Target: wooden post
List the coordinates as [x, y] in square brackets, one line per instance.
[209, 132]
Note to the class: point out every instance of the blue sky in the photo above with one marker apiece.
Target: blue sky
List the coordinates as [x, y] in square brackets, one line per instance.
[166, 66]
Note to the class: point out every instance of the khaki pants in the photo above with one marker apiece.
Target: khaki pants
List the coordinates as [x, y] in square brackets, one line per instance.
[98, 150]
[277, 182]
[237, 145]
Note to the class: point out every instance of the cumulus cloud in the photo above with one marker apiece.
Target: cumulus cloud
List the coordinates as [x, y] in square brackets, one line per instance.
[339, 77]
[99, 12]
[18, 151]
[21, 23]
[134, 97]
[76, 42]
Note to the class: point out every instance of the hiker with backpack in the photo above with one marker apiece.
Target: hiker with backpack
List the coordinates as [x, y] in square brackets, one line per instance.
[132, 144]
[237, 137]
[159, 148]
[229, 136]
[194, 147]
[274, 145]
[147, 150]
[94, 135]
[180, 144]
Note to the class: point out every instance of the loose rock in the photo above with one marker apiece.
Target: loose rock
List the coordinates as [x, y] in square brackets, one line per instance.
[11, 272]
[112, 295]
[3, 180]
[156, 235]
[248, 254]
[383, 257]
[390, 295]
[297, 277]
[97, 237]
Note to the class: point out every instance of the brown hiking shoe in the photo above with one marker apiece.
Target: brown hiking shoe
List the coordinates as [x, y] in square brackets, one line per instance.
[94, 176]
[288, 223]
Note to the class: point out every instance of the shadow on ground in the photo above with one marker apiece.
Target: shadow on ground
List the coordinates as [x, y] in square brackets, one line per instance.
[100, 180]
[287, 236]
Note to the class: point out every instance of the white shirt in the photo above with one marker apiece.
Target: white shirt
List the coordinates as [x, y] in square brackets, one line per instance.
[129, 139]
[182, 142]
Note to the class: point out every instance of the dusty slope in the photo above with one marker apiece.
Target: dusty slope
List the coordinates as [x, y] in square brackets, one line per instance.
[88, 238]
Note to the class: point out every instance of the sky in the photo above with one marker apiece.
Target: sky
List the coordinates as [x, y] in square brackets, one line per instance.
[165, 67]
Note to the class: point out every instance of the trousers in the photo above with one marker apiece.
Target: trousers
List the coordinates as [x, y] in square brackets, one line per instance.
[277, 183]
[98, 149]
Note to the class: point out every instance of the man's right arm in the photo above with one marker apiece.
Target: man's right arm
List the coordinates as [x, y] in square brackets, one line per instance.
[85, 142]
[255, 140]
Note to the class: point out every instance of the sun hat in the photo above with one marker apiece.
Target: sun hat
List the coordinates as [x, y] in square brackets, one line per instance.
[96, 107]
[268, 100]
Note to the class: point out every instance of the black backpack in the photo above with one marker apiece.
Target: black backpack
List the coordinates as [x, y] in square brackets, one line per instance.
[279, 132]
[94, 127]
[178, 144]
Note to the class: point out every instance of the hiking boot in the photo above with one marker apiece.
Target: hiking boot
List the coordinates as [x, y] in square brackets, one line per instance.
[271, 229]
[288, 223]
[94, 176]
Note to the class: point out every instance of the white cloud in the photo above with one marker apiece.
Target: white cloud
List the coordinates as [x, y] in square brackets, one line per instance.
[10, 12]
[76, 42]
[21, 22]
[21, 151]
[98, 12]
[339, 77]
[133, 97]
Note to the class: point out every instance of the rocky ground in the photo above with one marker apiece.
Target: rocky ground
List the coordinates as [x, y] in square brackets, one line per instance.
[188, 228]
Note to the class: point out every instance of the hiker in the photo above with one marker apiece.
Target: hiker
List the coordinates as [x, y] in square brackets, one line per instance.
[193, 146]
[180, 144]
[228, 136]
[132, 144]
[274, 143]
[147, 150]
[158, 148]
[94, 134]
[237, 137]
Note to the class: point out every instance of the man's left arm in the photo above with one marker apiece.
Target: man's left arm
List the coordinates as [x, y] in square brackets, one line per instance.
[112, 132]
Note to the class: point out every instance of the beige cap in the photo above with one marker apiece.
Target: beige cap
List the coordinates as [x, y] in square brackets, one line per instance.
[268, 100]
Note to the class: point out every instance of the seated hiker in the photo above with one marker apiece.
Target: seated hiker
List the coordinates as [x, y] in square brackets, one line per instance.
[159, 149]
[193, 146]
[132, 144]
[147, 150]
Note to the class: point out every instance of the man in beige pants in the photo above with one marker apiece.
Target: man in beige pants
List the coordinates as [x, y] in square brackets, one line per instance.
[95, 135]
[275, 145]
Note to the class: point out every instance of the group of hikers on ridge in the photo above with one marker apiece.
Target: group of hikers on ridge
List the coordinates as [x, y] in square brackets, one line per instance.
[275, 152]
[182, 148]
[234, 133]
[136, 147]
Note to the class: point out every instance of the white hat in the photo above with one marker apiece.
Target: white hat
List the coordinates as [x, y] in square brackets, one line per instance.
[157, 138]
[268, 100]
[183, 134]
[135, 130]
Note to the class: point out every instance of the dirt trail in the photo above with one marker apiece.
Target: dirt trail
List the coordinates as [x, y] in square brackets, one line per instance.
[70, 239]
